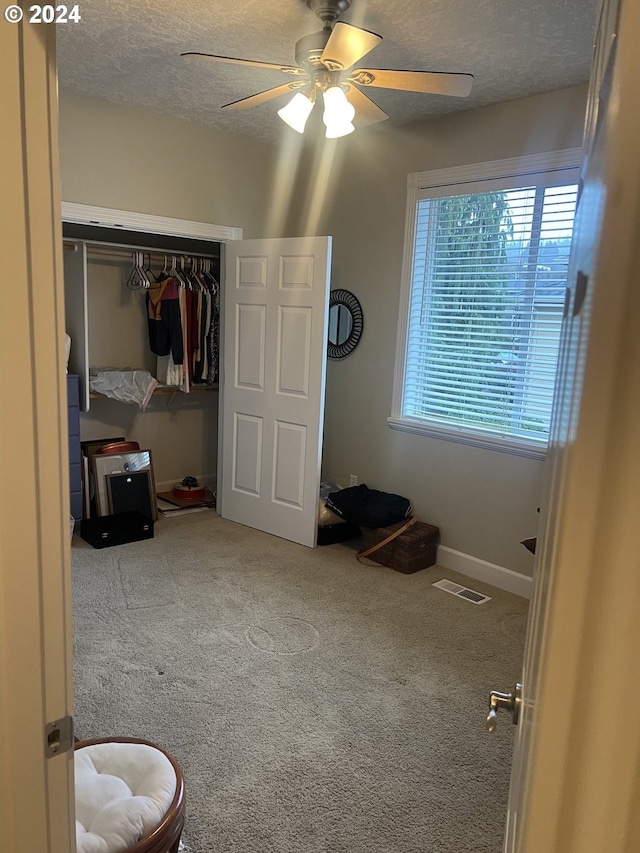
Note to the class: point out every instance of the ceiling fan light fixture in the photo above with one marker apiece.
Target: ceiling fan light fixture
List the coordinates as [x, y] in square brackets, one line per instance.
[296, 112]
[334, 131]
[338, 112]
[326, 62]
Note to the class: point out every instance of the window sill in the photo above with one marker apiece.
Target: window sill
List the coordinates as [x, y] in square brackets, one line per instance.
[486, 442]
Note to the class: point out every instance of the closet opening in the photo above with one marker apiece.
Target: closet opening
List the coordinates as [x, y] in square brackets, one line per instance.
[109, 324]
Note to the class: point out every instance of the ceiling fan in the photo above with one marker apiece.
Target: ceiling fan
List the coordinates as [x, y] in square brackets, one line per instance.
[325, 63]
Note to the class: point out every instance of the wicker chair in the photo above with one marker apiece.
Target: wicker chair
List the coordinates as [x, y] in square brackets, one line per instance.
[111, 774]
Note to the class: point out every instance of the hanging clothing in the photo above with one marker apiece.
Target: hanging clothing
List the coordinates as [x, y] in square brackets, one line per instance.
[201, 361]
[165, 321]
[168, 372]
[213, 338]
[184, 324]
[192, 330]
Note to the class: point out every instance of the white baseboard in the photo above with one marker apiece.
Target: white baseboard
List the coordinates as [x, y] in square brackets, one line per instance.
[487, 572]
[203, 480]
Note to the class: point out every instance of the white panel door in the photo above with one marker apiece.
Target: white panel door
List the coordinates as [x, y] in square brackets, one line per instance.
[275, 352]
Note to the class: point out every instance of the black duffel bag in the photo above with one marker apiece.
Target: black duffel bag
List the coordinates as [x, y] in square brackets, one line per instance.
[368, 507]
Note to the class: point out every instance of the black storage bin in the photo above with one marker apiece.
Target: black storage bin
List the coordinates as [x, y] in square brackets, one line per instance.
[118, 529]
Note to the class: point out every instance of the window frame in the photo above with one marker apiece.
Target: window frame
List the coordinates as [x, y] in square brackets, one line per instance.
[555, 167]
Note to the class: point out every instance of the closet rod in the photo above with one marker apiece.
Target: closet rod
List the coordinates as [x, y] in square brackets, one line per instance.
[122, 251]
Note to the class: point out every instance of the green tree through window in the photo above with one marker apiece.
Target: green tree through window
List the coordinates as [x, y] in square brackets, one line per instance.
[467, 299]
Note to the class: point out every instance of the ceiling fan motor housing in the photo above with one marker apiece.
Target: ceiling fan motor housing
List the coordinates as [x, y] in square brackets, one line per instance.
[309, 49]
[328, 10]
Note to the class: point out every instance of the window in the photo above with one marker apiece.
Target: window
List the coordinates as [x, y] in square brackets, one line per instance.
[485, 279]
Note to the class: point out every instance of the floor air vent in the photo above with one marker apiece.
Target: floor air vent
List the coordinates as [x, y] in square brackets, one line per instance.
[462, 591]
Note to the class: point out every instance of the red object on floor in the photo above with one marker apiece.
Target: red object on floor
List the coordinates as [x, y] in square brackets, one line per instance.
[189, 492]
[208, 499]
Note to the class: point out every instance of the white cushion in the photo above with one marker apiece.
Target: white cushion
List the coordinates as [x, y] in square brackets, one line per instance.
[122, 792]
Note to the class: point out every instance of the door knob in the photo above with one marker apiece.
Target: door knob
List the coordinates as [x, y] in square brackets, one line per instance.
[509, 701]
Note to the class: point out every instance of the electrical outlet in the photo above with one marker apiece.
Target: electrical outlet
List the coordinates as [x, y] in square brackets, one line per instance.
[353, 479]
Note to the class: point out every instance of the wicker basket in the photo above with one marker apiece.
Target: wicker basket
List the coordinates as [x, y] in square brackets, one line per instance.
[413, 550]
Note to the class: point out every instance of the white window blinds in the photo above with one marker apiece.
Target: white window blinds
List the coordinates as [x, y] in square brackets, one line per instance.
[487, 292]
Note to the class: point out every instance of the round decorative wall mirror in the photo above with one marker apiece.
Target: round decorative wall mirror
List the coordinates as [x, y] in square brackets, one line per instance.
[345, 323]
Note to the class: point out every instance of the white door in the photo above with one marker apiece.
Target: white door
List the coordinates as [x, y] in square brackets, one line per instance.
[275, 313]
[36, 782]
[574, 782]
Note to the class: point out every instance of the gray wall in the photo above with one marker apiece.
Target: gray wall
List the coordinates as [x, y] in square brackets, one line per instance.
[483, 501]
[354, 189]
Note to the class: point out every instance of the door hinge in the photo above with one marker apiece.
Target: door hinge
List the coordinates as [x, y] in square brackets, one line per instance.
[58, 736]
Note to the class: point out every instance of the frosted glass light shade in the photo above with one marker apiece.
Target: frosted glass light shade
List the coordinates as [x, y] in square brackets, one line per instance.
[338, 113]
[337, 109]
[296, 112]
[338, 129]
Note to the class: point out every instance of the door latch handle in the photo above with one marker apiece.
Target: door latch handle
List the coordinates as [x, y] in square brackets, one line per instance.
[508, 701]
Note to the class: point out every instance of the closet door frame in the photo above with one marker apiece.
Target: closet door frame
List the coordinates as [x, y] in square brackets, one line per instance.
[107, 217]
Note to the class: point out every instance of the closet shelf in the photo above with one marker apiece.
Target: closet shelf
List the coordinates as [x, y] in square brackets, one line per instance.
[193, 390]
[164, 390]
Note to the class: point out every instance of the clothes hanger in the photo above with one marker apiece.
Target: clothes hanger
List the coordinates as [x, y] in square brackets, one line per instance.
[150, 276]
[204, 266]
[196, 265]
[137, 279]
[172, 270]
[191, 275]
[175, 273]
[164, 272]
[183, 274]
[211, 279]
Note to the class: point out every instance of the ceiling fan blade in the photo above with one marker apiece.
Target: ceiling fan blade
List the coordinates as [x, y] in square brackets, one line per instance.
[347, 44]
[429, 82]
[366, 111]
[262, 97]
[288, 69]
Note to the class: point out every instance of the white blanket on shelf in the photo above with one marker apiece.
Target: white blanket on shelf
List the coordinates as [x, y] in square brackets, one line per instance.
[127, 386]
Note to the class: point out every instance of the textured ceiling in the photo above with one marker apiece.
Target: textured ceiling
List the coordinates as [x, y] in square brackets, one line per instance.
[128, 51]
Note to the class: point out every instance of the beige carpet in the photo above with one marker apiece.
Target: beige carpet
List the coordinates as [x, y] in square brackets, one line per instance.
[315, 704]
